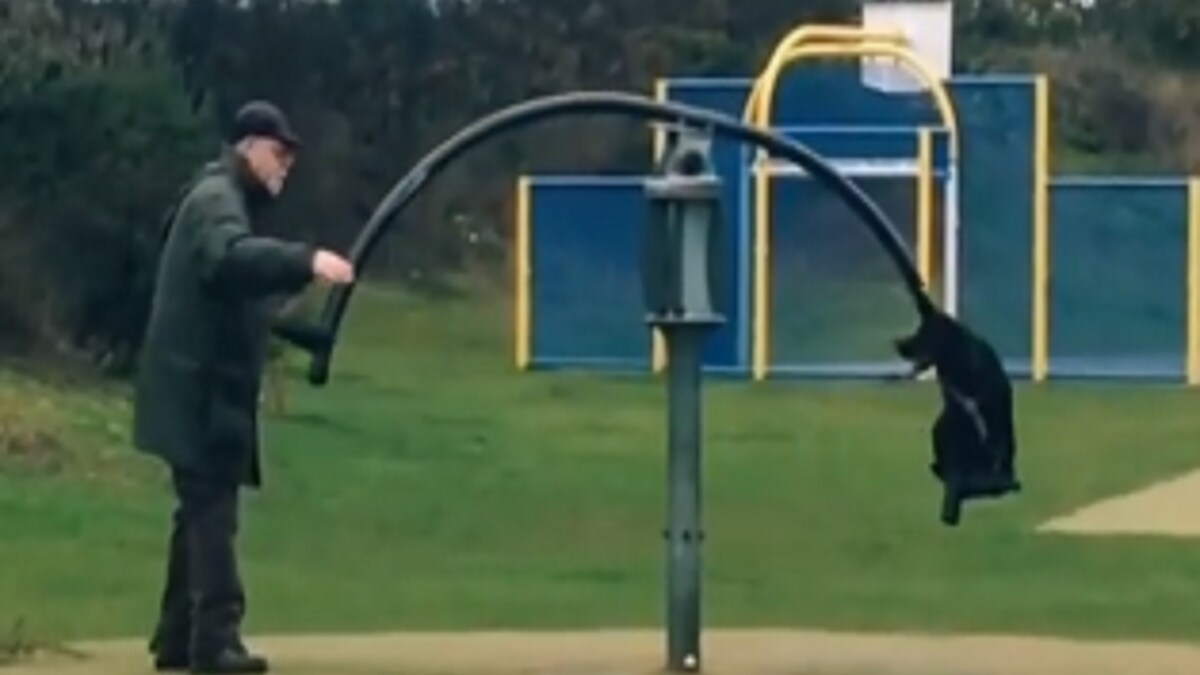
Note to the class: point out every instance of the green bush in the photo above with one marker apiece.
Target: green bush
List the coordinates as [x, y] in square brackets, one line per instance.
[95, 159]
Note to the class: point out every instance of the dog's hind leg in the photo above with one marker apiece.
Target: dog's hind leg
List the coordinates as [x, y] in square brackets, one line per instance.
[951, 504]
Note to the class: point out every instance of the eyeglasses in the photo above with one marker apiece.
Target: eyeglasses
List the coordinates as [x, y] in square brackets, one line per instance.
[283, 154]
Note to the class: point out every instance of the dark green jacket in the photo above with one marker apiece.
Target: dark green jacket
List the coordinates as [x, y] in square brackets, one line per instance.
[197, 392]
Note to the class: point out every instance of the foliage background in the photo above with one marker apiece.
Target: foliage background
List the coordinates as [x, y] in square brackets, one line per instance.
[105, 107]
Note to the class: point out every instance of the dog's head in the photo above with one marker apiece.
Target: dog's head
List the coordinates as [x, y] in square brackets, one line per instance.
[915, 349]
[930, 340]
[939, 341]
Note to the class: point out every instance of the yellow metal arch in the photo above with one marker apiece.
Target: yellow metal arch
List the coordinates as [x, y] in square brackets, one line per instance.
[925, 204]
[762, 97]
[818, 33]
[846, 43]
[812, 32]
[837, 33]
[658, 344]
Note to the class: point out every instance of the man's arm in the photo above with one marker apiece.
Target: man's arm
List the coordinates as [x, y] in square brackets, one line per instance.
[234, 259]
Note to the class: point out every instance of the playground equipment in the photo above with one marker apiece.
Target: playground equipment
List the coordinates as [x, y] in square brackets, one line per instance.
[806, 44]
[681, 294]
[681, 268]
[960, 162]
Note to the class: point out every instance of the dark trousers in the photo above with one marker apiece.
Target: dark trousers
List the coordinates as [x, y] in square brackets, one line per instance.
[203, 600]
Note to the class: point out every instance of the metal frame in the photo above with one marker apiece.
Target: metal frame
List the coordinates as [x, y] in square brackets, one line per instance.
[816, 42]
[849, 43]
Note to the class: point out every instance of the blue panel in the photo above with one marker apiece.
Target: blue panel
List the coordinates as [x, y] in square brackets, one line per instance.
[587, 307]
[874, 143]
[837, 300]
[832, 92]
[996, 173]
[728, 346]
[1118, 305]
[996, 210]
[831, 128]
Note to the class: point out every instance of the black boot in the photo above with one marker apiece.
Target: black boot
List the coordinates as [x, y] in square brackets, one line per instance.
[171, 652]
[216, 645]
[232, 657]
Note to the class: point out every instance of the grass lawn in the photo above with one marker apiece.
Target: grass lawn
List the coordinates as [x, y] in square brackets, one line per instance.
[430, 487]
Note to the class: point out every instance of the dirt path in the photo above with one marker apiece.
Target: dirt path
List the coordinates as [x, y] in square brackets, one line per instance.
[758, 652]
[1168, 508]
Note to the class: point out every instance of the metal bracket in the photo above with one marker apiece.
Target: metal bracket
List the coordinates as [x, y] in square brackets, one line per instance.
[687, 150]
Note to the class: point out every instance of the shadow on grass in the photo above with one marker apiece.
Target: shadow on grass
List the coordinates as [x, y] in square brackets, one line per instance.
[319, 420]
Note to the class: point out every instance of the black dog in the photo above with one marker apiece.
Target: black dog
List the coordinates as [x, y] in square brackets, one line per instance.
[974, 444]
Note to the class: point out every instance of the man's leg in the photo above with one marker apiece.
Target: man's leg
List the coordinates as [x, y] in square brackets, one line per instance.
[211, 507]
[172, 636]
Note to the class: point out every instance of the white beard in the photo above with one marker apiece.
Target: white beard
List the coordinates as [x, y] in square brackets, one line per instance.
[275, 184]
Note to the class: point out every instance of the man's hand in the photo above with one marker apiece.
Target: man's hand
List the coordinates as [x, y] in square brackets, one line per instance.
[333, 268]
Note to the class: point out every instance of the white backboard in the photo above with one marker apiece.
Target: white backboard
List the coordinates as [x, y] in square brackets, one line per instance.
[929, 26]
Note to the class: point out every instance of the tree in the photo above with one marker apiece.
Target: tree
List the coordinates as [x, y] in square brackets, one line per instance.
[97, 135]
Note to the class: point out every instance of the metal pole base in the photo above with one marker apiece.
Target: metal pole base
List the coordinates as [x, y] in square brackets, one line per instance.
[684, 534]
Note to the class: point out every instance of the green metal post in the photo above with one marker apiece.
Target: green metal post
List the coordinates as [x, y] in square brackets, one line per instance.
[684, 529]
[683, 261]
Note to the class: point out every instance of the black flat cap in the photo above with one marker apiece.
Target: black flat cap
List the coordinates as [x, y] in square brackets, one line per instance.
[261, 118]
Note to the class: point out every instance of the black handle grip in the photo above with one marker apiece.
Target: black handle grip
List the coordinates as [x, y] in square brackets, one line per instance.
[314, 339]
[318, 369]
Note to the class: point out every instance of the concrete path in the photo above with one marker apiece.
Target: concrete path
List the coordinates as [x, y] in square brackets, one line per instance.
[727, 652]
[1169, 508]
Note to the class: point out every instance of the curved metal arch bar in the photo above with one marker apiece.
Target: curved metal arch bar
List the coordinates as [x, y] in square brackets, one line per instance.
[320, 340]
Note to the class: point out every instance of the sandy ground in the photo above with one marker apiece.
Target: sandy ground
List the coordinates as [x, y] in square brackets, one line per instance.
[1169, 508]
[758, 652]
